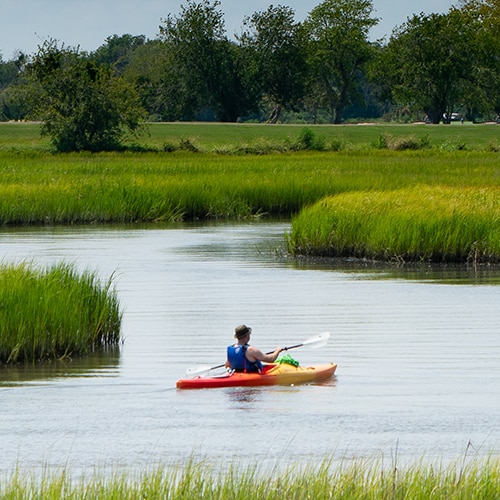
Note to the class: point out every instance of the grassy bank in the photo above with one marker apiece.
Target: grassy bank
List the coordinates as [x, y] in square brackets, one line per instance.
[425, 223]
[479, 480]
[54, 313]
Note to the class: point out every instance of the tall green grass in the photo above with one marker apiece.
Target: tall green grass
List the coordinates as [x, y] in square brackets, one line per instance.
[424, 223]
[43, 188]
[54, 313]
[358, 481]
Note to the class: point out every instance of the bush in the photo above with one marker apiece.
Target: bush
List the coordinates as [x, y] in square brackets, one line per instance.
[308, 140]
[82, 105]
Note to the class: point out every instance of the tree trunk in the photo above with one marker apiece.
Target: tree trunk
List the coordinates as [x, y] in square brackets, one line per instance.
[275, 115]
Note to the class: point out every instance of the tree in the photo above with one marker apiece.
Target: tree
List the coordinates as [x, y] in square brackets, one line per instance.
[82, 105]
[483, 93]
[273, 45]
[143, 70]
[427, 62]
[117, 51]
[337, 32]
[202, 71]
[12, 106]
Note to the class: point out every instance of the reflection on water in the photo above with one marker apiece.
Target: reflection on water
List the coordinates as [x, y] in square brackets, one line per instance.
[244, 396]
[464, 274]
[417, 351]
[99, 364]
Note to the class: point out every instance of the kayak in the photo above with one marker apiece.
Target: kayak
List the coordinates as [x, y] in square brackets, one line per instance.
[271, 374]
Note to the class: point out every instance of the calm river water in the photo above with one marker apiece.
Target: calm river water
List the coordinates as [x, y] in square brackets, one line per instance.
[418, 356]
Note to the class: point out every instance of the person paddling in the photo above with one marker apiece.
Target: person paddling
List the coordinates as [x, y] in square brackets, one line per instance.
[242, 357]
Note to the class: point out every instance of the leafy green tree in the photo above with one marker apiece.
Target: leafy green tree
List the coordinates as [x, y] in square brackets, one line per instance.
[12, 105]
[337, 32]
[427, 62]
[9, 72]
[82, 105]
[273, 44]
[483, 90]
[143, 70]
[203, 73]
[118, 50]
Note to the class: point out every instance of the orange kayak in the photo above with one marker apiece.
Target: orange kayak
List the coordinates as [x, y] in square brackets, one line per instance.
[272, 374]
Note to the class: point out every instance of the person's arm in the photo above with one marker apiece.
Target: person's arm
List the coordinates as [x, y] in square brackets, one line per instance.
[255, 354]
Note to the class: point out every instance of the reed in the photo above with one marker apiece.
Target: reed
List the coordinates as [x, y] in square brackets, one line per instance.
[358, 480]
[424, 223]
[54, 313]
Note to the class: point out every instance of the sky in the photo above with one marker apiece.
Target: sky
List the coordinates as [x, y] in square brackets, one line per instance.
[25, 24]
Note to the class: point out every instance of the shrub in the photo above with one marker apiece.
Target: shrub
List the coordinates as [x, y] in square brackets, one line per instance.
[82, 105]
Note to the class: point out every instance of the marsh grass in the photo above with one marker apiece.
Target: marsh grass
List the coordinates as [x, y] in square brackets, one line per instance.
[54, 313]
[85, 188]
[479, 479]
[424, 223]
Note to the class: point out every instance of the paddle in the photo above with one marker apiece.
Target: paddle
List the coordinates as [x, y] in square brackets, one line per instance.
[314, 342]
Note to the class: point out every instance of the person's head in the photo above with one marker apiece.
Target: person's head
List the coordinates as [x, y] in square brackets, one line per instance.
[242, 332]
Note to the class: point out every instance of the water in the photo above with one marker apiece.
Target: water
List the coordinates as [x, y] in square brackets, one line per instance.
[417, 350]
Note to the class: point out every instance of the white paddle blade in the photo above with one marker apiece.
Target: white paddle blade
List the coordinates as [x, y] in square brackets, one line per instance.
[319, 341]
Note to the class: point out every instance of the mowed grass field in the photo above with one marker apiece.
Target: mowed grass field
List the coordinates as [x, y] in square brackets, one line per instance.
[194, 171]
[209, 137]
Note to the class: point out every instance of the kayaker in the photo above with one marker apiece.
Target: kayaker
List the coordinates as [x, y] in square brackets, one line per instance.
[242, 357]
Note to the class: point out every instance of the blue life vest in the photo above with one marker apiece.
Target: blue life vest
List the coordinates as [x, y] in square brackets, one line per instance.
[236, 355]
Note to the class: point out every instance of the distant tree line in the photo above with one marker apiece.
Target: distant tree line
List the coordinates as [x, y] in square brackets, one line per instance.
[322, 70]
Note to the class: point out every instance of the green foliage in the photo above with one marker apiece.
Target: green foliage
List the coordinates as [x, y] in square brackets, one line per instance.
[12, 105]
[483, 90]
[203, 72]
[9, 71]
[440, 62]
[118, 50]
[54, 313]
[318, 71]
[308, 139]
[337, 34]
[82, 105]
[274, 46]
